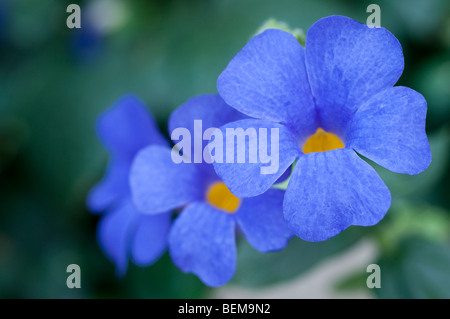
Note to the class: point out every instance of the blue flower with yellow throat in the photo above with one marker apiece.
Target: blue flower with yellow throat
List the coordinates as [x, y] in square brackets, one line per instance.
[330, 101]
[202, 238]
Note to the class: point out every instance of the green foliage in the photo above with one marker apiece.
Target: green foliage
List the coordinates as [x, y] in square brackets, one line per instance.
[419, 269]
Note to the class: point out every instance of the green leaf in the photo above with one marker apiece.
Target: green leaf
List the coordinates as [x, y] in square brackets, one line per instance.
[13, 134]
[299, 34]
[420, 269]
[432, 79]
[284, 184]
[406, 220]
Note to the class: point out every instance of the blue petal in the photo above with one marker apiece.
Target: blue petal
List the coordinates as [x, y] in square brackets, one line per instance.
[267, 80]
[261, 220]
[159, 185]
[330, 191]
[213, 112]
[211, 109]
[245, 178]
[114, 234]
[127, 127]
[347, 63]
[390, 130]
[124, 129]
[111, 189]
[150, 239]
[202, 241]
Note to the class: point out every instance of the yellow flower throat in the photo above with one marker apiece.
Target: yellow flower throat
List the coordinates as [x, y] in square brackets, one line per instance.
[219, 196]
[322, 141]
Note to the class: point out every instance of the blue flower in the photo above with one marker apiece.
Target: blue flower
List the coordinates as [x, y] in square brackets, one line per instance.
[330, 100]
[123, 230]
[88, 42]
[202, 238]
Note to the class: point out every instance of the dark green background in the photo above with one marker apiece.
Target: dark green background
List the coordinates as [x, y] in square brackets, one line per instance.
[53, 85]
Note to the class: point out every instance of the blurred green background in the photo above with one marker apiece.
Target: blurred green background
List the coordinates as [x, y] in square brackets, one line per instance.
[55, 81]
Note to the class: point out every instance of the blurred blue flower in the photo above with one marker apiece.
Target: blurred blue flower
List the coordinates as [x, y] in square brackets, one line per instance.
[331, 99]
[87, 42]
[5, 12]
[202, 238]
[123, 230]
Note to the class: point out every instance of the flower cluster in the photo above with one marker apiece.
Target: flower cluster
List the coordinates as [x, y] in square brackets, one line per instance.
[328, 102]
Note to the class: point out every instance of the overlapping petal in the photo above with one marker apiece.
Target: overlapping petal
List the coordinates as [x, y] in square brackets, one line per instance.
[389, 129]
[211, 109]
[348, 62]
[127, 127]
[114, 233]
[329, 191]
[202, 241]
[150, 238]
[111, 189]
[158, 184]
[267, 80]
[262, 222]
[251, 166]
[200, 115]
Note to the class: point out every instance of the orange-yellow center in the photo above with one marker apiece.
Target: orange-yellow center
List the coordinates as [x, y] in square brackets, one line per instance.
[220, 196]
[322, 141]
